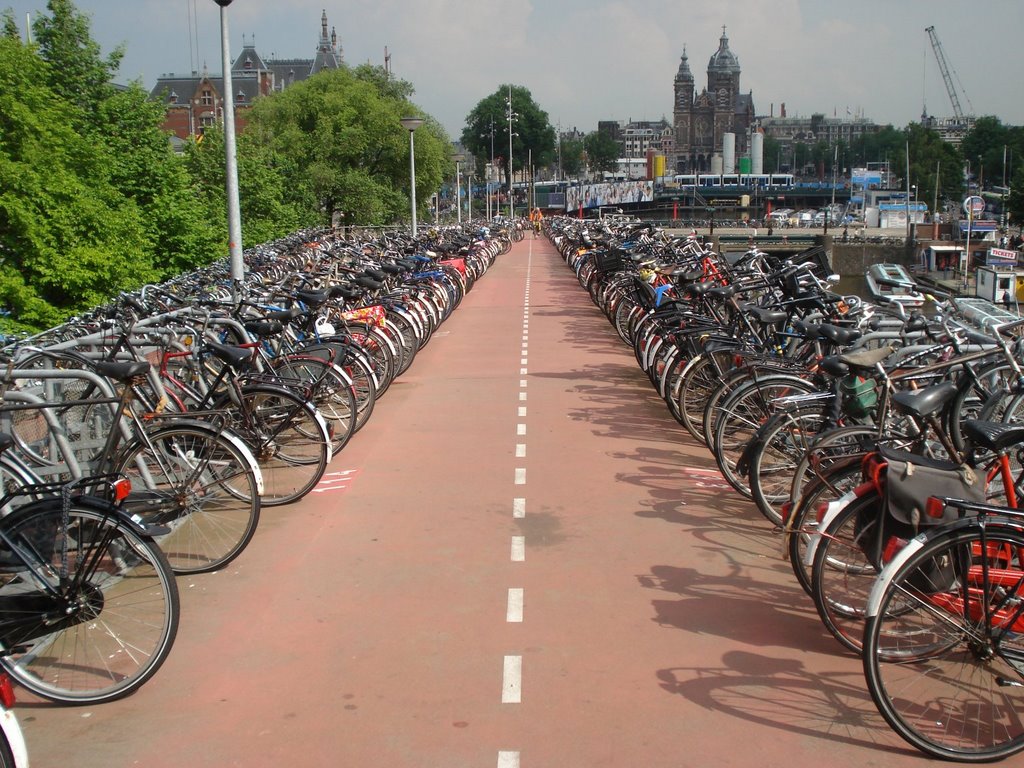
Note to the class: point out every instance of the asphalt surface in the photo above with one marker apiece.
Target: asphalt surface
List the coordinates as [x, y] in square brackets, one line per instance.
[521, 561]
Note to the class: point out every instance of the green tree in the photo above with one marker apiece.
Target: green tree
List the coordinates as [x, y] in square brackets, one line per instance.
[936, 166]
[602, 151]
[989, 147]
[266, 209]
[78, 72]
[144, 168]
[533, 135]
[1015, 200]
[68, 238]
[341, 147]
[772, 155]
[572, 157]
[8, 26]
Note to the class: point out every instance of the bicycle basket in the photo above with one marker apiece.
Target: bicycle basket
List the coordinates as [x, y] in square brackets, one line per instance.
[608, 260]
[859, 396]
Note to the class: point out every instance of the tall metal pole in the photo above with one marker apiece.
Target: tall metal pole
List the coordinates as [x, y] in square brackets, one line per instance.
[511, 204]
[458, 190]
[231, 157]
[908, 192]
[411, 124]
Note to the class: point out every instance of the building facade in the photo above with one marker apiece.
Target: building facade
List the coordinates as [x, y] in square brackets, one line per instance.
[701, 120]
[196, 101]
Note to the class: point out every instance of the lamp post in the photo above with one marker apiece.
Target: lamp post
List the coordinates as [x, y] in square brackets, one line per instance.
[489, 170]
[230, 154]
[458, 157]
[411, 124]
[510, 114]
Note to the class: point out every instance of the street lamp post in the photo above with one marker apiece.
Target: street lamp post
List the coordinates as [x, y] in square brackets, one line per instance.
[411, 124]
[230, 153]
[510, 114]
[458, 157]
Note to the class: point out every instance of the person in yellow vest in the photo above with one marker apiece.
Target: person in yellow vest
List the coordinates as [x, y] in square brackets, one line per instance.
[536, 217]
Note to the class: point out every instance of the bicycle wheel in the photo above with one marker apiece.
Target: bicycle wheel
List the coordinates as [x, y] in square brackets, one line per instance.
[92, 627]
[204, 485]
[287, 436]
[332, 394]
[842, 574]
[742, 414]
[802, 520]
[697, 382]
[781, 446]
[947, 679]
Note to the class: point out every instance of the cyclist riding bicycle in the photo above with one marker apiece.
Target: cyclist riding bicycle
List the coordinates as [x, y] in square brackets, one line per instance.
[536, 217]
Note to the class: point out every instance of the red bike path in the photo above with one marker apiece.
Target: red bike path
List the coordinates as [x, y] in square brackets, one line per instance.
[521, 561]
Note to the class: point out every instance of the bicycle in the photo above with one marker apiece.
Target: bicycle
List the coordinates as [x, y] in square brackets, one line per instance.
[195, 478]
[944, 634]
[88, 602]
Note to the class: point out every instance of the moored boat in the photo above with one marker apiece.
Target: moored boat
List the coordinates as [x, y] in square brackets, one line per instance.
[893, 284]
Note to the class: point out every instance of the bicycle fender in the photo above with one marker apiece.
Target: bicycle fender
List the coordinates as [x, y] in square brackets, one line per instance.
[907, 551]
[886, 574]
[228, 435]
[834, 508]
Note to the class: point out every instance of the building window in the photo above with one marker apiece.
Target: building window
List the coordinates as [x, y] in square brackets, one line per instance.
[207, 99]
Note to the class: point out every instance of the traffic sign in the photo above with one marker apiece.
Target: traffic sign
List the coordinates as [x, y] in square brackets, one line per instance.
[974, 206]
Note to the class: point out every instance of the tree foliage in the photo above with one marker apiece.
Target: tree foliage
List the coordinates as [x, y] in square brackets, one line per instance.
[1015, 200]
[602, 151]
[992, 148]
[533, 136]
[573, 161]
[338, 139]
[68, 235]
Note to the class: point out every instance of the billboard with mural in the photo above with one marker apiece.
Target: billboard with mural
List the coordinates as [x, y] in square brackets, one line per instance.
[597, 195]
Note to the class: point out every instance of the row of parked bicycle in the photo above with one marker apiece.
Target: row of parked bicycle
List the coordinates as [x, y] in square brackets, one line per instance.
[141, 441]
[887, 449]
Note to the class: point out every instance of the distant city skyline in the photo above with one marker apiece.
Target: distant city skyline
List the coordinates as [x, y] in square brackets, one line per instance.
[590, 60]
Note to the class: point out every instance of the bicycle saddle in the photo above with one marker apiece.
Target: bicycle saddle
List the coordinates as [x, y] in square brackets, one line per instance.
[121, 371]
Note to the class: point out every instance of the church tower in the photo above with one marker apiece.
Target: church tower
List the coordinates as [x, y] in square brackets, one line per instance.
[683, 106]
[723, 87]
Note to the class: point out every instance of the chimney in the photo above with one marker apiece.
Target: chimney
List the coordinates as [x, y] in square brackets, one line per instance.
[782, 110]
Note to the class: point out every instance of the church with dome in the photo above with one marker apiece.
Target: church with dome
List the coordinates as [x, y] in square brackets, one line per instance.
[701, 119]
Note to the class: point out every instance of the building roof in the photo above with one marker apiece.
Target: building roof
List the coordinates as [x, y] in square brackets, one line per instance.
[249, 66]
[684, 72]
[723, 60]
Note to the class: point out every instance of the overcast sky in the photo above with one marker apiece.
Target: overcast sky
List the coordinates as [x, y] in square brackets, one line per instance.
[590, 60]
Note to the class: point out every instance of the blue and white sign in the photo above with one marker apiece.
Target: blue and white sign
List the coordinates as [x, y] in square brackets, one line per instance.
[974, 206]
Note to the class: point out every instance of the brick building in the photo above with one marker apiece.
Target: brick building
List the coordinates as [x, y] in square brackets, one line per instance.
[197, 100]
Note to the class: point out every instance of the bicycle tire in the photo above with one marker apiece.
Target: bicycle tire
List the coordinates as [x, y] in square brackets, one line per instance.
[287, 436]
[332, 393]
[842, 575]
[741, 415]
[802, 522]
[118, 605]
[203, 484]
[774, 460]
[938, 678]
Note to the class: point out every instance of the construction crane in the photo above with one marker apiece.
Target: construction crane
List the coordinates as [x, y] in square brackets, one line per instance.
[940, 57]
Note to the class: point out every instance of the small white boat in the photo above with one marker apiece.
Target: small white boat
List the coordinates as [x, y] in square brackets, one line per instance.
[892, 284]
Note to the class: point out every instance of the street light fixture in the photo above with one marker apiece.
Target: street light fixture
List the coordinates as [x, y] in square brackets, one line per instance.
[411, 124]
[230, 153]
